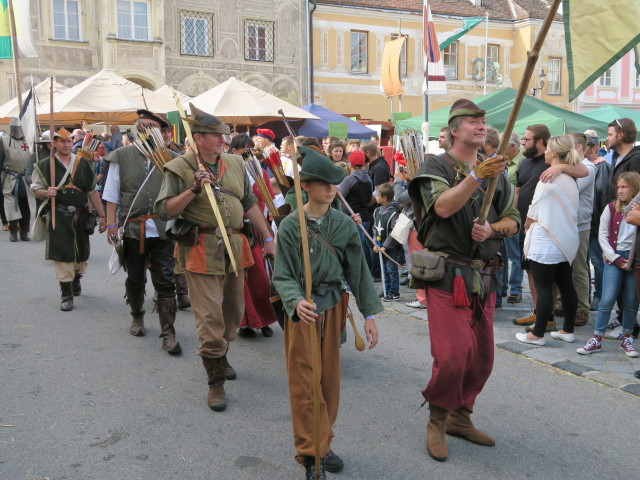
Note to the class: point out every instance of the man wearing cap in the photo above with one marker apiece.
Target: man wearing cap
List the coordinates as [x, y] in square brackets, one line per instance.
[336, 253]
[145, 240]
[265, 139]
[216, 291]
[357, 190]
[19, 202]
[74, 187]
[449, 192]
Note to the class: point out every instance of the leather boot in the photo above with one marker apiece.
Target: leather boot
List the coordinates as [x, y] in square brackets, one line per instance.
[14, 228]
[229, 371]
[136, 303]
[215, 372]
[166, 308]
[459, 424]
[66, 289]
[77, 288]
[24, 236]
[436, 439]
[182, 291]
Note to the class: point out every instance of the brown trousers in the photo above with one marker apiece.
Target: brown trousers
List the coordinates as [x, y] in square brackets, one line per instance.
[297, 347]
[217, 302]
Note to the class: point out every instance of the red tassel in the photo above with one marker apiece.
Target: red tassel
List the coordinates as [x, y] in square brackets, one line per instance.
[460, 298]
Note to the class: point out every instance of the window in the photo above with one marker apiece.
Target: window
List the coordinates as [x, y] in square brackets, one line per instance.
[637, 80]
[450, 61]
[403, 53]
[66, 20]
[493, 58]
[553, 77]
[359, 46]
[606, 79]
[258, 40]
[196, 34]
[133, 20]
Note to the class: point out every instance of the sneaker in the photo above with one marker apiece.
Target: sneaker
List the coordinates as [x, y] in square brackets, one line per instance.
[592, 346]
[613, 324]
[526, 320]
[391, 297]
[415, 304]
[513, 298]
[615, 334]
[551, 326]
[566, 337]
[627, 346]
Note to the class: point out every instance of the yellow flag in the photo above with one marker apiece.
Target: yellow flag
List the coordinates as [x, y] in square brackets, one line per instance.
[390, 71]
[597, 34]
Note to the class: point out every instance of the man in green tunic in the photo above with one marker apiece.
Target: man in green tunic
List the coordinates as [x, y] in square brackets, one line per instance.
[336, 253]
[74, 187]
[216, 291]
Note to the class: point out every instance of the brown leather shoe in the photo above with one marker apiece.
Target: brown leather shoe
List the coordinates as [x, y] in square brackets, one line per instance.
[436, 439]
[526, 320]
[216, 398]
[171, 345]
[582, 318]
[459, 424]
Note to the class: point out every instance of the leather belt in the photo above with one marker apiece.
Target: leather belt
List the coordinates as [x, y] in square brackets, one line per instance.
[142, 219]
[218, 233]
[482, 266]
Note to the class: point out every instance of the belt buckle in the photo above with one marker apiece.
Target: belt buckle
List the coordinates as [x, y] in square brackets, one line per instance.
[71, 208]
[478, 264]
[218, 232]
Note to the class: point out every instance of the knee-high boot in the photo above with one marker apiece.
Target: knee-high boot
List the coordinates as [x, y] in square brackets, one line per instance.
[182, 291]
[136, 303]
[215, 372]
[167, 313]
[436, 439]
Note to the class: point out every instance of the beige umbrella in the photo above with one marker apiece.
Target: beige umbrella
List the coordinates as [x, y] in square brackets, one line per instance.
[42, 91]
[239, 103]
[103, 98]
[163, 101]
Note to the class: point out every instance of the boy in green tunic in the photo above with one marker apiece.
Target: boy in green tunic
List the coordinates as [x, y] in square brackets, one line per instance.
[336, 253]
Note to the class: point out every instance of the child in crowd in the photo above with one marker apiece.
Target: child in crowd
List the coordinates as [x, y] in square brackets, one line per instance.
[384, 219]
[335, 253]
[616, 238]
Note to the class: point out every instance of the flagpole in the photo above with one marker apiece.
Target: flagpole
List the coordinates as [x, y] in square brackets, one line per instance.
[532, 59]
[486, 52]
[14, 47]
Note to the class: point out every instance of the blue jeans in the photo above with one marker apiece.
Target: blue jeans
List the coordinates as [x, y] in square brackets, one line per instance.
[514, 255]
[391, 276]
[595, 255]
[614, 280]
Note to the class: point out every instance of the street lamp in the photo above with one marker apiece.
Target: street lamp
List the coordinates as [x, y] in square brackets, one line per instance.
[534, 90]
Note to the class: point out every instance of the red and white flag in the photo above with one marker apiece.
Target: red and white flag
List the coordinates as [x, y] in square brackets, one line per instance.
[434, 80]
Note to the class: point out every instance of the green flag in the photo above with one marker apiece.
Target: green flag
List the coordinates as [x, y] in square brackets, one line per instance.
[5, 32]
[448, 38]
[597, 34]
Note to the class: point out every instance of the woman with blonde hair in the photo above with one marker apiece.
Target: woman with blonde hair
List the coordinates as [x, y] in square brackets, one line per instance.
[551, 243]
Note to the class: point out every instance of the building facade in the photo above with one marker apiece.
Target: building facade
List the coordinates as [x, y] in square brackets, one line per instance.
[192, 45]
[349, 37]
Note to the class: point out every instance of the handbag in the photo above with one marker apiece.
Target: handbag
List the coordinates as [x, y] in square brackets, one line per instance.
[400, 232]
[428, 266]
[184, 232]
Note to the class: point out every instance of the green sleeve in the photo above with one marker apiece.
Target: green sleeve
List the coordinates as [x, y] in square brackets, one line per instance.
[172, 185]
[356, 273]
[288, 267]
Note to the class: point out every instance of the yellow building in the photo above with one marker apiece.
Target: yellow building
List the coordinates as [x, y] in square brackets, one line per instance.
[349, 37]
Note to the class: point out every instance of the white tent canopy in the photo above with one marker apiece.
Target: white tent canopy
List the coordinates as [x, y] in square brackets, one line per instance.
[42, 92]
[239, 103]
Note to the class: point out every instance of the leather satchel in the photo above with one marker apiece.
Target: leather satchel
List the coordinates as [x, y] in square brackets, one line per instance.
[428, 266]
[184, 232]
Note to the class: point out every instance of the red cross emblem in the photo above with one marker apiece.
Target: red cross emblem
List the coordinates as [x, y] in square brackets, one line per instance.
[25, 147]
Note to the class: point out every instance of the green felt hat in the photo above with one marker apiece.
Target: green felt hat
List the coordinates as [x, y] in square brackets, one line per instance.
[465, 108]
[316, 167]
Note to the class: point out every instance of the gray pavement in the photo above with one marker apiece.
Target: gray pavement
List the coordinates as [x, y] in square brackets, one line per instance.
[80, 398]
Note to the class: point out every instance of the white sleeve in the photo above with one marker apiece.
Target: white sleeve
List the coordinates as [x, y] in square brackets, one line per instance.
[111, 192]
[603, 236]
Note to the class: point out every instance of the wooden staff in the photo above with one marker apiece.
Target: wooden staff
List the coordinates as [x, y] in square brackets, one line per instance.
[207, 186]
[52, 158]
[532, 59]
[306, 261]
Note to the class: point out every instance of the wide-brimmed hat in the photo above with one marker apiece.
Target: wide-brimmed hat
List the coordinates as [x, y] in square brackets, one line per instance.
[202, 122]
[317, 167]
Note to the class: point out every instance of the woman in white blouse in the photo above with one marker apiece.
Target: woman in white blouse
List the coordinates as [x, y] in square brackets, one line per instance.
[551, 243]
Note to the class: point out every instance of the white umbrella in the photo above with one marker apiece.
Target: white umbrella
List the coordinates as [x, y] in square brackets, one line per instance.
[42, 91]
[105, 98]
[239, 103]
[164, 102]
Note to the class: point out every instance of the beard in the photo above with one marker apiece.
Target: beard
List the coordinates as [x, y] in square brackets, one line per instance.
[530, 152]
